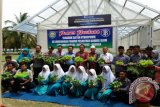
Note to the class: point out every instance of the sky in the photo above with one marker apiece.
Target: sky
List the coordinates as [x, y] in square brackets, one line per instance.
[14, 7]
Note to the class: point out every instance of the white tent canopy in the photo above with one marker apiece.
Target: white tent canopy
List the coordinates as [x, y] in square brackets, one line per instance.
[127, 16]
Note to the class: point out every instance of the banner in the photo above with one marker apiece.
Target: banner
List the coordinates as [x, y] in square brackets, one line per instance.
[98, 37]
[89, 20]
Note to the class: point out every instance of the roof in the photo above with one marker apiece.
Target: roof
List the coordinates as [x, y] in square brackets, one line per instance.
[128, 15]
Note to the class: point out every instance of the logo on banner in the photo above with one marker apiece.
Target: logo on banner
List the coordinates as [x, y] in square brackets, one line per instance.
[52, 35]
[143, 89]
[105, 32]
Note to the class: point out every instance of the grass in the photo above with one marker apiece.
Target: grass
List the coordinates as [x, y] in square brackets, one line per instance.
[13, 57]
[23, 103]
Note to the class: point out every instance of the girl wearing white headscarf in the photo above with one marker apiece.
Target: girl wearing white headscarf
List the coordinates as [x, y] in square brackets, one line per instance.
[108, 78]
[54, 86]
[41, 89]
[66, 85]
[92, 91]
[82, 76]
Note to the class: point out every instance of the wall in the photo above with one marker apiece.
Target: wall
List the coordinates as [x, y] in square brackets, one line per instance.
[141, 38]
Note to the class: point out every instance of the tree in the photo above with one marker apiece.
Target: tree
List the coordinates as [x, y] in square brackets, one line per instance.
[15, 39]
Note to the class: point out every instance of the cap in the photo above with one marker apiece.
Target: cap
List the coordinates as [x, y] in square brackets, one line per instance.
[93, 46]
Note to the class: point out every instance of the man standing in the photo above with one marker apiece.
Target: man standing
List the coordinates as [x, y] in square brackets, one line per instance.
[68, 63]
[120, 57]
[50, 52]
[83, 54]
[93, 64]
[59, 52]
[108, 57]
[136, 56]
[37, 64]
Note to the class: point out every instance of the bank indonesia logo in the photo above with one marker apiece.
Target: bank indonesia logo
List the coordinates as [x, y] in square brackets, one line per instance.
[52, 35]
[105, 32]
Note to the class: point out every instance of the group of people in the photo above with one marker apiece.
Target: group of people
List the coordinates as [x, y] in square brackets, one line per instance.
[55, 80]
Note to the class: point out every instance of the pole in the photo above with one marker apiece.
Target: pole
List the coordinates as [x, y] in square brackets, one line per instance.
[1, 48]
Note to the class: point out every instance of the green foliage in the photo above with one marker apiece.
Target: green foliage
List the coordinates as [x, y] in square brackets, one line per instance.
[68, 78]
[59, 59]
[133, 69]
[53, 78]
[120, 63]
[39, 57]
[145, 63]
[6, 75]
[100, 79]
[101, 61]
[25, 59]
[48, 60]
[67, 57]
[20, 75]
[15, 39]
[40, 78]
[91, 83]
[78, 60]
[91, 59]
[115, 85]
[76, 83]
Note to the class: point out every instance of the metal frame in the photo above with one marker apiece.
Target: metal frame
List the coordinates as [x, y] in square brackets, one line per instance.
[111, 3]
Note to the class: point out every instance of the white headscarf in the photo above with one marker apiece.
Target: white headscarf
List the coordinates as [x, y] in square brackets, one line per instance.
[69, 73]
[59, 72]
[45, 73]
[82, 76]
[107, 75]
[94, 75]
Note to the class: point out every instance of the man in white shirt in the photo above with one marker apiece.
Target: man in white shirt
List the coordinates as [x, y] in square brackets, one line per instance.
[108, 57]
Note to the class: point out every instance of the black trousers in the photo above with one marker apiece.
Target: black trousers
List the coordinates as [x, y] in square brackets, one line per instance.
[16, 86]
[6, 83]
[36, 73]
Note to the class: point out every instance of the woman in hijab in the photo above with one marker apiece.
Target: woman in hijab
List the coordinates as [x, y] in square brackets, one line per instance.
[56, 77]
[81, 76]
[108, 78]
[66, 85]
[24, 54]
[92, 85]
[41, 89]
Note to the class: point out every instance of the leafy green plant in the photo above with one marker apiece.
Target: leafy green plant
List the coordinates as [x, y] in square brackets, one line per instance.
[100, 79]
[68, 78]
[120, 63]
[115, 85]
[59, 59]
[91, 83]
[91, 59]
[25, 59]
[39, 57]
[6, 75]
[78, 60]
[133, 69]
[101, 61]
[145, 63]
[67, 57]
[53, 78]
[20, 75]
[48, 60]
[40, 78]
[76, 83]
